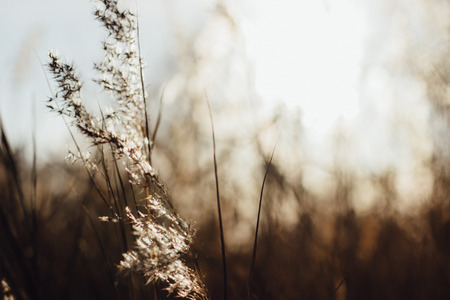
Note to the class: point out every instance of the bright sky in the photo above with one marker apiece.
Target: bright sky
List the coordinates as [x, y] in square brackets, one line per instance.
[308, 54]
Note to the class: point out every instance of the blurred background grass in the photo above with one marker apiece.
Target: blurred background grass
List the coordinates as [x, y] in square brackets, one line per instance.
[356, 204]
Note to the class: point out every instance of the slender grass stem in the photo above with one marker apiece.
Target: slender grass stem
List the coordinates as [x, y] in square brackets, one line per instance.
[109, 272]
[144, 97]
[222, 239]
[158, 119]
[255, 243]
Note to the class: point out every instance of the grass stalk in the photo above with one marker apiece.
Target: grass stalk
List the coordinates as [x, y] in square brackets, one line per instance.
[144, 96]
[219, 209]
[255, 243]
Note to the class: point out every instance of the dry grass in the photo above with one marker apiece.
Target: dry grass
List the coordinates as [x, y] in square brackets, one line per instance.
[108, 228]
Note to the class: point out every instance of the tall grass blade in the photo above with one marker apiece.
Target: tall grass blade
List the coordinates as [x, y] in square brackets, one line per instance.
[13, 170]
[158, 119]
[255, 243]
[222, 239]
[33, 198]
[24, 277]
[109, 271]
[144, 96]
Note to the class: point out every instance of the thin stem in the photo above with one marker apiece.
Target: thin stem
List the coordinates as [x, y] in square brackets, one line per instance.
[158, 119]
[222, 240]
[255, 244]
[102, 249]
[141, 73]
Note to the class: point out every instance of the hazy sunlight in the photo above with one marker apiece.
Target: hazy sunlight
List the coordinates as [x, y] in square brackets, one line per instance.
[307, 54]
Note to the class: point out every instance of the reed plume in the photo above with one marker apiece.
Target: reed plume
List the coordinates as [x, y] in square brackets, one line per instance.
[162, 238]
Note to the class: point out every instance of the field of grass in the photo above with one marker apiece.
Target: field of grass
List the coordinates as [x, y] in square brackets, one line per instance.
[156, 209]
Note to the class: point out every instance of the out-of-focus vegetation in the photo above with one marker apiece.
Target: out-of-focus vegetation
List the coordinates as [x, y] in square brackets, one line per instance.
[314, 243]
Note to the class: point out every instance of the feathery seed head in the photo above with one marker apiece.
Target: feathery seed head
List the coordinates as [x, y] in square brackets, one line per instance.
[162, 237]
